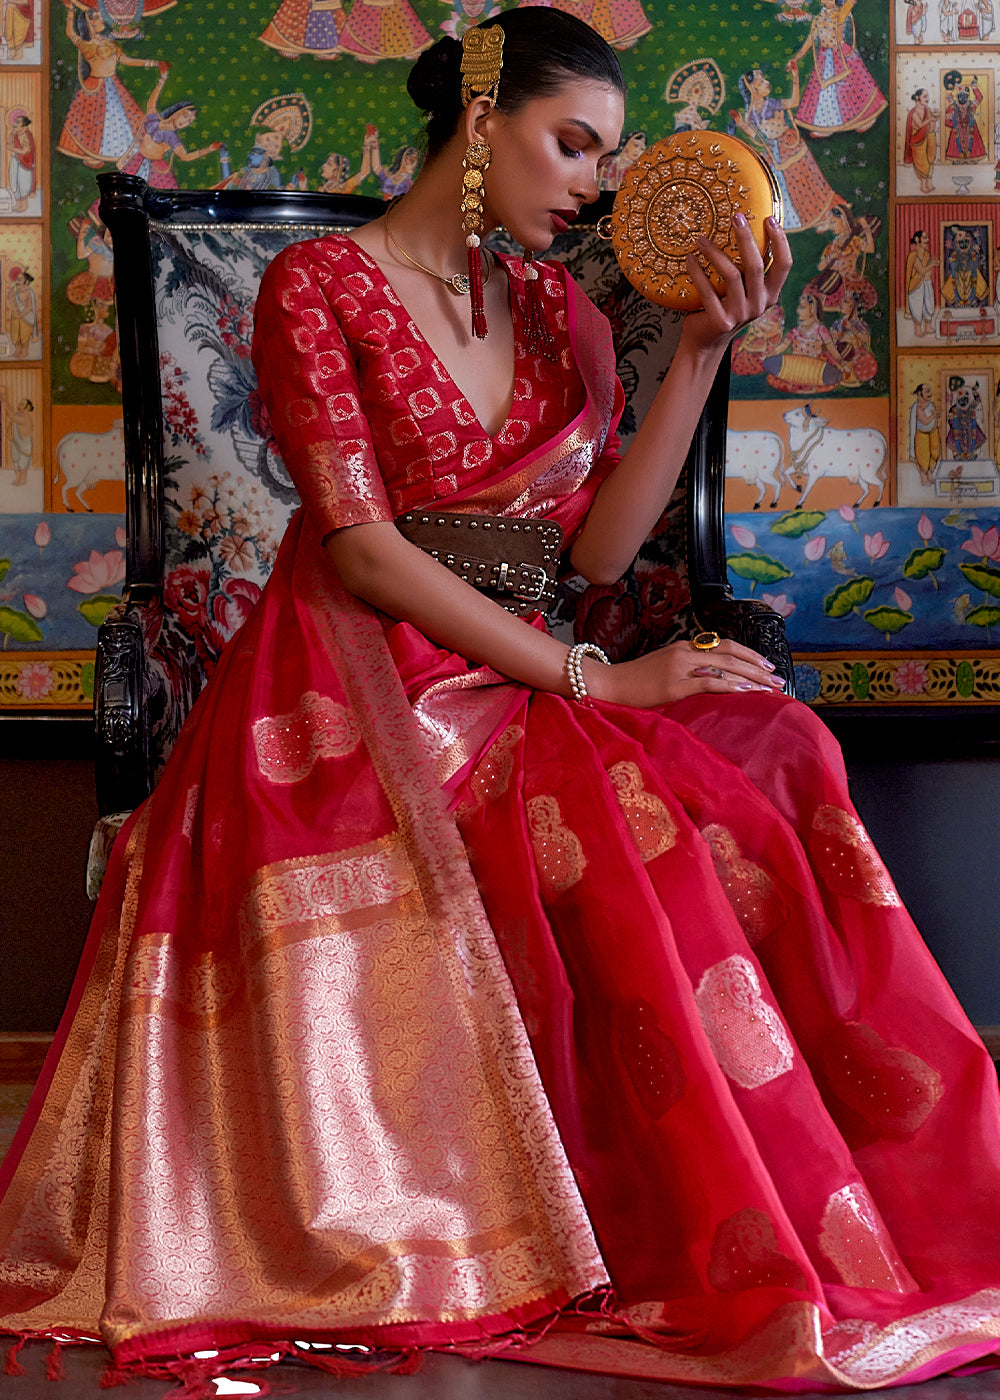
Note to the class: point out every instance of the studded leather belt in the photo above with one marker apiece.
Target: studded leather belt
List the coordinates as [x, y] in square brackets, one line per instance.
[513, 561]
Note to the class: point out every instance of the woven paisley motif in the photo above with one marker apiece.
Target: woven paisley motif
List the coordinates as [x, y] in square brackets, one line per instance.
[857, 1244]
[755, 899]
[558, 851]
[653, 828]
[745, 1255]
[491, 775]
[844, 857]
[745, 1033]
[892, 1089]
[288, 747]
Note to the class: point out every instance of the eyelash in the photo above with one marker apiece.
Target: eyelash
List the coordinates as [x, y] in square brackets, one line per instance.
[569, 150]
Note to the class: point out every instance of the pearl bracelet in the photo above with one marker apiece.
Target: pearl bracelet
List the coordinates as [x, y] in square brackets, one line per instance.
[574, 668]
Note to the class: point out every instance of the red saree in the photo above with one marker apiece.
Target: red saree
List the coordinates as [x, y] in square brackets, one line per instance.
[420, 1010]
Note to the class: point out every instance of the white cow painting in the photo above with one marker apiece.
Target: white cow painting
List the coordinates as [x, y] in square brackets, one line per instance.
[83, 459]
[858, 455]
[758, 458]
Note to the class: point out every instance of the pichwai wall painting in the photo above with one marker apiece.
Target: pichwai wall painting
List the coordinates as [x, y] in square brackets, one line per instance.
[862, 478]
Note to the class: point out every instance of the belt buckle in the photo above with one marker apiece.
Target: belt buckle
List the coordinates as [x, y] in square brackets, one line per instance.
[524, 592]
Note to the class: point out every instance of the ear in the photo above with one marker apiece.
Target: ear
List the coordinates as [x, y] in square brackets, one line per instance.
[480, 117]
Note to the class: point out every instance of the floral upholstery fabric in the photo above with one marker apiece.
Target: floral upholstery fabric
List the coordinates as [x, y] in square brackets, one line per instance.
[228, 497]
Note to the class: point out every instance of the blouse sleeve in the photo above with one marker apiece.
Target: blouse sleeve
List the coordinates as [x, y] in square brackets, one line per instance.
[308, 381]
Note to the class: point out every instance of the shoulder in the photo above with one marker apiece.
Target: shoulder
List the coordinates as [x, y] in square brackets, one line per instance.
[319, 262]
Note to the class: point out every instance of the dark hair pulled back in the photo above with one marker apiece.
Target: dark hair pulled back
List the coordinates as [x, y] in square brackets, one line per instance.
[542, 49]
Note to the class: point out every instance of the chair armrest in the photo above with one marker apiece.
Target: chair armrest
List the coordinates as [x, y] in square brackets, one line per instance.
[754, 625]
[122, 759]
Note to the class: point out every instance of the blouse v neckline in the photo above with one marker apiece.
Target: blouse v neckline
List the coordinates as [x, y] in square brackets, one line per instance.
[515, 308]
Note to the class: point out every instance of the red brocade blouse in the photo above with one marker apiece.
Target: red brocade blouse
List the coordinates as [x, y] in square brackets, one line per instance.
[371, 423]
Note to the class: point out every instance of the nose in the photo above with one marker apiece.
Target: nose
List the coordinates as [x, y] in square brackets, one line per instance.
[586, 185]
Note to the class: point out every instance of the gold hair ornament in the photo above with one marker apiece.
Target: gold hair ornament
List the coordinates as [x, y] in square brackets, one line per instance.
[482, 59]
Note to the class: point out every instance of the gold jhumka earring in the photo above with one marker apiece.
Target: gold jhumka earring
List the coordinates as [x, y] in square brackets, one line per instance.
[482, 59]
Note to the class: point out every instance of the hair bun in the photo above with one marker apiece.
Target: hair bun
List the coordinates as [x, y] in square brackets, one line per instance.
[435, 78]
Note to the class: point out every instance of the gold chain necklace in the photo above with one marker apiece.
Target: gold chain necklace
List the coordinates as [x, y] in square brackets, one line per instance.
[459, 284]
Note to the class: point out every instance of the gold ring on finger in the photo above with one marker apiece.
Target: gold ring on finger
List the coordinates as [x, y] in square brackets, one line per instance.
[705, 641]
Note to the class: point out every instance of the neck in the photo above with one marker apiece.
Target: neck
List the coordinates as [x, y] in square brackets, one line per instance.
[427, 221]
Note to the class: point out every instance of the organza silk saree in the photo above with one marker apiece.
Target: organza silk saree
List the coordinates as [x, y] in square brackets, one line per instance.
[421, 1010]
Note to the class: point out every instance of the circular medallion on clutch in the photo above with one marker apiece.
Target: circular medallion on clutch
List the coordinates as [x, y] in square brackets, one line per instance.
[689, 184]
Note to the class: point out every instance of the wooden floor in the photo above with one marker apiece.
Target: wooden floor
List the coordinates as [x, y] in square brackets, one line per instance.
[439, 1378]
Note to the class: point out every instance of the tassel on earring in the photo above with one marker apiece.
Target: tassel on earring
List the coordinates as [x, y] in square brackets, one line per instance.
[537, 336]
[474, 165]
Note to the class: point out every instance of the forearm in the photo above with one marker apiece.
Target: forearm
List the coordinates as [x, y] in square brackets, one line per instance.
[633, 497]
[379, 566]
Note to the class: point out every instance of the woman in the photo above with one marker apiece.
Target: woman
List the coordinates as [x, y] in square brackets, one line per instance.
[806, 360]
[841, 94]
[766, 121]
[331, 1116]
[842, 262]
[157, 142]
[103, 117]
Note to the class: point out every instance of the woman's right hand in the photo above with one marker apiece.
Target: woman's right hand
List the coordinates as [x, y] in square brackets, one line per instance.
[676, 671]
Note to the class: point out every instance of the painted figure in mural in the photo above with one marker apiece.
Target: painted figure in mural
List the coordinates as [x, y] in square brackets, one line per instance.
[792, 11]
[17, 23]
[22, 163]
[965, 419]
[987, 19]
[621, 22]
[853, 340]
[395, 178]
[760, 339]
[306, 26]
[918, 280]
[337, 177]
[20, 423]
[612, 170]
[840, 94]
[966, 263]
[916, 19]
[806, 360]
[103, 115]
[920, 142]
[23, 306]
[260, 170]
[769, 124]
[948, 19]
[378, 29]
[698, 90]
[965, 97]
[842, 262]
[925, 433]
[157, 142]
[96, 356]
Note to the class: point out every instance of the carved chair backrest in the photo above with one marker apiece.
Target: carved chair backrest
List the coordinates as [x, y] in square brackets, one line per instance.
[208, 497]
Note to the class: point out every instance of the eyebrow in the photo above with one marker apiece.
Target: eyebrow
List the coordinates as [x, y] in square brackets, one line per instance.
[594, 135]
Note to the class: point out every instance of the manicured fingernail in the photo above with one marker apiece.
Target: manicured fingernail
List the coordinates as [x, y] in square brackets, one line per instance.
[746, 685]
[777, 682]
[767, 665]
[740, 220]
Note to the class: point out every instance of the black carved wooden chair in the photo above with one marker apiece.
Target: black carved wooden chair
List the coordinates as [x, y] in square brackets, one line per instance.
[208, 496]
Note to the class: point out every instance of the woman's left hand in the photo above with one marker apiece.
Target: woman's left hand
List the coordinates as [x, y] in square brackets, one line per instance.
[749, 289]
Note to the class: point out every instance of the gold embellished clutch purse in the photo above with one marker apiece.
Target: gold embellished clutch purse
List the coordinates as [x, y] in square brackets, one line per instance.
[689, 184]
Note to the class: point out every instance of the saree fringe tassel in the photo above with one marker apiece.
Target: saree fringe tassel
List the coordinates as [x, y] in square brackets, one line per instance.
[13, 1367]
